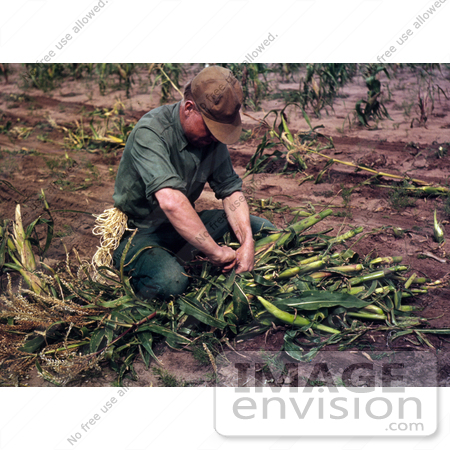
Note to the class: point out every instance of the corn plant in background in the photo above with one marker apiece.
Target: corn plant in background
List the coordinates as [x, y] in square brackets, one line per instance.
[253, 79]
[79, 70]
[372, 108]
[47, 77]
[428, 93]
[43, 76]
[124, 73]
[287, 70]
[290, 150]
[108, 135]
[167, 76]
[320, 85]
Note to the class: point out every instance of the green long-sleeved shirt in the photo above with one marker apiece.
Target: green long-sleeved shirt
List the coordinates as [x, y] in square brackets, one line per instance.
[157, 155]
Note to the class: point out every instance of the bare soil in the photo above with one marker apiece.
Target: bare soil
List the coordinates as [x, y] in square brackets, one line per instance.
[36, 162]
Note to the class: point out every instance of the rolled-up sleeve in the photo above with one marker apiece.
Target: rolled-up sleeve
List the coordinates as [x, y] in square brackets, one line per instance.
[150, 158]
[223, 179]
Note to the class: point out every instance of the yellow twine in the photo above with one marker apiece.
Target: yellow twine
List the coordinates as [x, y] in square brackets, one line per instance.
[110, 226]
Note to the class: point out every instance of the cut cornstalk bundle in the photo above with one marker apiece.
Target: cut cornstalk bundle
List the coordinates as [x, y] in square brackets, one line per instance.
[294, 320]
[376, 275]
[280, 238]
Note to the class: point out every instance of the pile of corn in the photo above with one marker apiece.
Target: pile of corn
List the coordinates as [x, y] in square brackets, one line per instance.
[301, 282]
[310, 284]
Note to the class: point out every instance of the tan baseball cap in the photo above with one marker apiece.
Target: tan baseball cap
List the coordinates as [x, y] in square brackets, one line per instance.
[218, 96]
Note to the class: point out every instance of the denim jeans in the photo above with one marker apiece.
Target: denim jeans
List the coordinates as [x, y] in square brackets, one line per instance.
[156, 272]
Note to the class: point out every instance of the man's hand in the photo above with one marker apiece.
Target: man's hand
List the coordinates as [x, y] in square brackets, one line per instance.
[226, 257]
[245, 258]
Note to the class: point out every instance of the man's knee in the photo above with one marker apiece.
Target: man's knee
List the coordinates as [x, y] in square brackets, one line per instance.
[158, 274]
[215, 221]
[154, 273]
[260, 224]
[163, 286]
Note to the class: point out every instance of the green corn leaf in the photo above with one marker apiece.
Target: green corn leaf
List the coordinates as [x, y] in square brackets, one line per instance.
[240, 303]
[313, 300]
[96, 340]
[146, 340]
[145, 356]
[200, 314]
[113, 303]
[251, 331]
[33, 345]
[173, 339]
[295, 351]
[259, 279]
[109, 332]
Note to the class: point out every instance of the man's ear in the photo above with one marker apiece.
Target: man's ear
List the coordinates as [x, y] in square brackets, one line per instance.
[189, 107]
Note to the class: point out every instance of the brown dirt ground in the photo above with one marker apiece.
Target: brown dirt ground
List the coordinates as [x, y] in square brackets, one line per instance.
[392, 147]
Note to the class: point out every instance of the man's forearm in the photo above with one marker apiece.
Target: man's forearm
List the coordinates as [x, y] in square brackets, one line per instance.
[185, 220]
[238, 216]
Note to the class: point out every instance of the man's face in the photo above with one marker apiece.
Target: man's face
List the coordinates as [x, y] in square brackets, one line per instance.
[195, 129]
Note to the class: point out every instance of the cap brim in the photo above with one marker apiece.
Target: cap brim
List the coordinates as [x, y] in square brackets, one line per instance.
[227, 133]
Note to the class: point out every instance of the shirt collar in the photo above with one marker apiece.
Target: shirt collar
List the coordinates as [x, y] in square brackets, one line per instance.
[183, 142]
